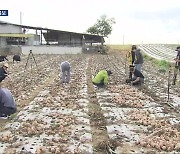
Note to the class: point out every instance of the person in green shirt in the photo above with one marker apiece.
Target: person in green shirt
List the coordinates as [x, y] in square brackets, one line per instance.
[101, 78]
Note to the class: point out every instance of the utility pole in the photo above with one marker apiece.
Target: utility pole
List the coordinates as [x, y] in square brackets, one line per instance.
[20, 18]
[123, 39]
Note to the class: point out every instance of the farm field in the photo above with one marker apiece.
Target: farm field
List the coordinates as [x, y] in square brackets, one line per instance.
[160, 51]
[80, 118]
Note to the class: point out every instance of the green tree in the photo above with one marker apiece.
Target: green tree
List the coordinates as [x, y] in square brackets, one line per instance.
[103, 26]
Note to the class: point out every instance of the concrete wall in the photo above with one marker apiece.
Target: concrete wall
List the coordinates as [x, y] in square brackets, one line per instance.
[10, 50]
[3, 42]
[51, 50]
[10, 29]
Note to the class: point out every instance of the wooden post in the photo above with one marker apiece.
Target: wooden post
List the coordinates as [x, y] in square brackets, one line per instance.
[41, 37]
[169, 83]
[47, 38]
[70, 40]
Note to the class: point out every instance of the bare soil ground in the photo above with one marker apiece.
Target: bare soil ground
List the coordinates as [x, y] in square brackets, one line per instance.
[80, 118]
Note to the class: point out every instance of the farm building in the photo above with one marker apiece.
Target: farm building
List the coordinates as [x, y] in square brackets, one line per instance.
[16, 37]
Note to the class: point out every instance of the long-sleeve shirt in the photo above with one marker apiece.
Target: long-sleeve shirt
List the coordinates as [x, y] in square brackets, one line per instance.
[6, 98]
[65, 66]
[102, 76]
[138, 57]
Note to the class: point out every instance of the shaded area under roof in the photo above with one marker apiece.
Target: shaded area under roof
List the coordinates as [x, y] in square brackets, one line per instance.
[56, 36]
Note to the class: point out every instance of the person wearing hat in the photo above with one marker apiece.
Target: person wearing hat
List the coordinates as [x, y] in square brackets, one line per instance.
[101, 78]
[3, 71]
[65, 69]
[7, 103]
[138, 77]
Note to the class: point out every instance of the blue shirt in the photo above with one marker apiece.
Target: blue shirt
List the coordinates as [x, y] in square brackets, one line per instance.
[6, 98]
[65, 66]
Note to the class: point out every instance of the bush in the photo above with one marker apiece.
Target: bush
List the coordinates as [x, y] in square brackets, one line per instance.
[148, 57]
[162, 64]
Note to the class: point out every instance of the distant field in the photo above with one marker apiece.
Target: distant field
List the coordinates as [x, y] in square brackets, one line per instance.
[120, 47]
[128, 47]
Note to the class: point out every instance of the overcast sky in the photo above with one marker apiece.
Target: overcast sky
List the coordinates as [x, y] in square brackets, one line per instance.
[139, 21]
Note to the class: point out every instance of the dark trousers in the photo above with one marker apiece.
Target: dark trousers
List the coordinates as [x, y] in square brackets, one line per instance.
[6, 111]
[141, 81]
[100, 85]
[66, 74]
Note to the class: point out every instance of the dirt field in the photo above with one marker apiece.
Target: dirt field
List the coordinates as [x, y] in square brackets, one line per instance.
[81, 118]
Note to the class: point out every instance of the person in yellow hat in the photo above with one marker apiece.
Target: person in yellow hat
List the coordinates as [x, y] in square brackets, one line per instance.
[4, 71]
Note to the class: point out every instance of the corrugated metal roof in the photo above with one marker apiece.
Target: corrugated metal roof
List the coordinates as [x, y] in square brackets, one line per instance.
[91, 38]
[41, 28]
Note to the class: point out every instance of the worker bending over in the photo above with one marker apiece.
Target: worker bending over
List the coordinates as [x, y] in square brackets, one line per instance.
[7, 103]
[101, 78]
[137, 76]
[65, 69]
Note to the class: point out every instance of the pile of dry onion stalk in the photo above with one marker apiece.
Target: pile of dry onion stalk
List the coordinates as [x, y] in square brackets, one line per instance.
[163, 137]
